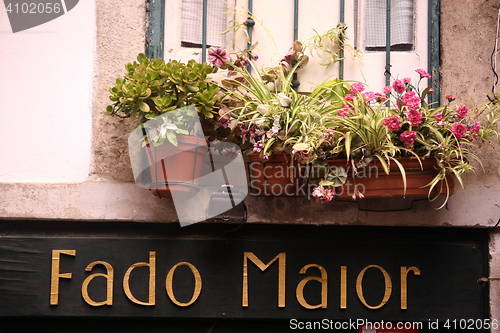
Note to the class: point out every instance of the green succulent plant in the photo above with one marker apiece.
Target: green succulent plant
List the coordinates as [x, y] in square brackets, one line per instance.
[151, 88]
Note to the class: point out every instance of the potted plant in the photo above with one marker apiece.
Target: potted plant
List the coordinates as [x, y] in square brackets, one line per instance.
[278, 128]
[359, 143]
[169, 100]
[396, 133]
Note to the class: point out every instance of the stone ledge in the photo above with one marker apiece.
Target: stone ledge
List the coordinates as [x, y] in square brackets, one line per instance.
[124, 201]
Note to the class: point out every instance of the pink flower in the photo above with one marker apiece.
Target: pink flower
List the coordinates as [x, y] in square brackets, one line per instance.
[408, 138]
[423, 73]
[387, 90]
[217, 56]
[349, 98]
[438, 116]
[406, 80]
[393, 123]
[399, 86]
[411, 100]
[462, 112]
[380, 98]
[369, 96]
[459, 130]
[329, 136]
[323, 195]
[343, 112]
[477, 127]
[357, 194]
[414, 117]
[357, 88]
[450, 98]
[431, 91]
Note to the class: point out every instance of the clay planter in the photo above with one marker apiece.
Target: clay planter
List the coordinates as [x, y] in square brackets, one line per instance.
[278, 176]
[175, 170]
[373, 182]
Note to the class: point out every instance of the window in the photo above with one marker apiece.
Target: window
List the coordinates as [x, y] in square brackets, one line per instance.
[191, 29]
[183, 26]
[412, 46]
[402, 25]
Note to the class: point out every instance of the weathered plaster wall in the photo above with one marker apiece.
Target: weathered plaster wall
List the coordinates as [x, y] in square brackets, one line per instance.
[468, 37]
[121, 29]
[467, 40]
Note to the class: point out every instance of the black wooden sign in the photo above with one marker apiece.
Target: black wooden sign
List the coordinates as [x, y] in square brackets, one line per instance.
[349, 275]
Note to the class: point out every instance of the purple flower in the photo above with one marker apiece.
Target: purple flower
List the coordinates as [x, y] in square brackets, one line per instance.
[231, 152]
[323, 195]
[223, 122]
[258, 146]
[217, 56]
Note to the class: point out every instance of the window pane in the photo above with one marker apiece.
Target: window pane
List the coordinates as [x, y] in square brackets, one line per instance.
[191, 30]
[402, 24]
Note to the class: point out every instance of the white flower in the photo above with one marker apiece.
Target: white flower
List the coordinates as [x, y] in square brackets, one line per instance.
[276, 124]
[301, 146]
[166, 126]
[263, 108]
[284, 100]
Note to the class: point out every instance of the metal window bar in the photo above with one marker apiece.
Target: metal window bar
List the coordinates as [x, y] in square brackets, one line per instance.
[434, 55]
[388, 42]
[295, 80]
[156, 29]
[204, 24]
[250, 22]
[341, 50]
[296, 20]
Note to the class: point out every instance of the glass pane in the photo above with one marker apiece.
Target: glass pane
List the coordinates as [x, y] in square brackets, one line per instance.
[402, 24]
[191, 30]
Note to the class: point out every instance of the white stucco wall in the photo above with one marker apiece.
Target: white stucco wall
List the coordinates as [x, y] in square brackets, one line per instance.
[46, 76]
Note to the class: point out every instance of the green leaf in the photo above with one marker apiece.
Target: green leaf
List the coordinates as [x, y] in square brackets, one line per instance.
[172, 138]
[144, 107]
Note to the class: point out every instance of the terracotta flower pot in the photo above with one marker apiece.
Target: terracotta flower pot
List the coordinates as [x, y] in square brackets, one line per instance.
[176, 169]
[373, 182]
[278, 176]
